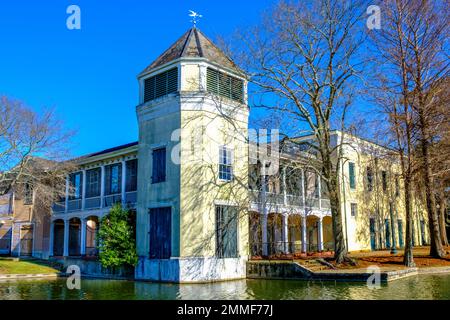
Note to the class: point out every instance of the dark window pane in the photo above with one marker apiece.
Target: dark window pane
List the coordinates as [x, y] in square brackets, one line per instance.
[75, 186]
[93, 183]
[131, 182]
[159, 165]
[113, 178]
[226, 231]
[160, 233]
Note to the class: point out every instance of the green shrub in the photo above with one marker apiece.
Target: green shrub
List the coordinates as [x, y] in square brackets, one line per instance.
[116, 238]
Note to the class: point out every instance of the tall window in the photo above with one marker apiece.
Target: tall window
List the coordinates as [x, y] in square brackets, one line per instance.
[369, 179]
[384, 180]
[131, 178]
[353, 209]
[28, 196]
[351, 173]
[161, 84]
[397, 187]
[159, 165]
[226, 232]
[225, 163]
[224, 85]
[76, 181]
[93, 183]
[113, 178]
[160, 234]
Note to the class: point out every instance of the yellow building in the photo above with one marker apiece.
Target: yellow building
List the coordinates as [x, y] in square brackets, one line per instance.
[203, 205]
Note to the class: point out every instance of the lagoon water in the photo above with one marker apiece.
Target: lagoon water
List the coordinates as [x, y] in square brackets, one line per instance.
[416, 287]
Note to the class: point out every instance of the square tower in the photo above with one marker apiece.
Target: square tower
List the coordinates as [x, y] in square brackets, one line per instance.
[192, 223]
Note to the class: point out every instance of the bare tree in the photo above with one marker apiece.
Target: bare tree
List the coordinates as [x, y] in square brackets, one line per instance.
[392, 84]
[32, 147]
[304, 55]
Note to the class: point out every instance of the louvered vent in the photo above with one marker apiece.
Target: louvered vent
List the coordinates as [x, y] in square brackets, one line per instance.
[161, 84]
[224, 85]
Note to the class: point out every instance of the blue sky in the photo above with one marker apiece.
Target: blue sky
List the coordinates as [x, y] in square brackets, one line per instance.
[89, 76]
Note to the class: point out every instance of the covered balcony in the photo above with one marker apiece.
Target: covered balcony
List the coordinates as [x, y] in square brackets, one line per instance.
[100, 187]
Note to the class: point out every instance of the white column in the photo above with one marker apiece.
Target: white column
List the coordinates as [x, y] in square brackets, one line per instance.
[285, 232]
[264, 215]
[303, 188]
[124, 171]
[320, 233]
[83, 237]
[67, 195]
[283, 176]
[319, 186]
[83, 190]
[51, 240]
[304, 244]
[102, 186]
[66, 238]
[264, 234]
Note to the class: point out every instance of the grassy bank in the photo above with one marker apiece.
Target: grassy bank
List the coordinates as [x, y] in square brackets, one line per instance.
[25, 267]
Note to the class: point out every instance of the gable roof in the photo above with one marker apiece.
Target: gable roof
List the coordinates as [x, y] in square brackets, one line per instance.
[194, 44]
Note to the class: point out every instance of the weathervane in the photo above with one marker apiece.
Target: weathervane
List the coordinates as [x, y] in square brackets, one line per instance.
[195, 16]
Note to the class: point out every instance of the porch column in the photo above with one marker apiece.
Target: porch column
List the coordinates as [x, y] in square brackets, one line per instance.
[264, 234]
[66, 203]
[124, 171]
[51, 240]
[304, 244]
[319, 186]
[66, 238]
[303, 189]
[320, 234]
[102, 186]
[83, 189]
[83, 237]
[285, 232]
[263, 211]
[283, 173]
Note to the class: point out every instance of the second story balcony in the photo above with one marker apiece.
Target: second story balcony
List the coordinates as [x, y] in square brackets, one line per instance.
[100, 187]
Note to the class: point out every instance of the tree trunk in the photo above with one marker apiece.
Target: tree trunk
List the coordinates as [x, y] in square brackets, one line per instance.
[436, 249]
[408, 259]
[442, 210]
[340, 249]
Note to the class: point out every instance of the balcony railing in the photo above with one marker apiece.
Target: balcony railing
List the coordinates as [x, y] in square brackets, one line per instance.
[290, 200]
[131, 198]
[112, 199]
[74, 205]
[92, 203]
[58, 207]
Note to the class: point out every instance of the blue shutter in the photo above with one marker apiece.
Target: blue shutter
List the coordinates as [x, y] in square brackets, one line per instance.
[159, 165]
[160, 233]
[351, 173]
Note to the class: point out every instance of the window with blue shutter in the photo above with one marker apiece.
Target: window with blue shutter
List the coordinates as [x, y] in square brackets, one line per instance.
[160, 233]
[161, 84]
[224, 85]
[226, 232]
[159, 165]
[351, 174]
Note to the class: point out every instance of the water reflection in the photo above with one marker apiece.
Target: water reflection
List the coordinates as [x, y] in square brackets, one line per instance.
[418, 287]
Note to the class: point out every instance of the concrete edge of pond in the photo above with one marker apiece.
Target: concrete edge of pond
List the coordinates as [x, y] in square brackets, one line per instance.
[292, 270]
[31, 276]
